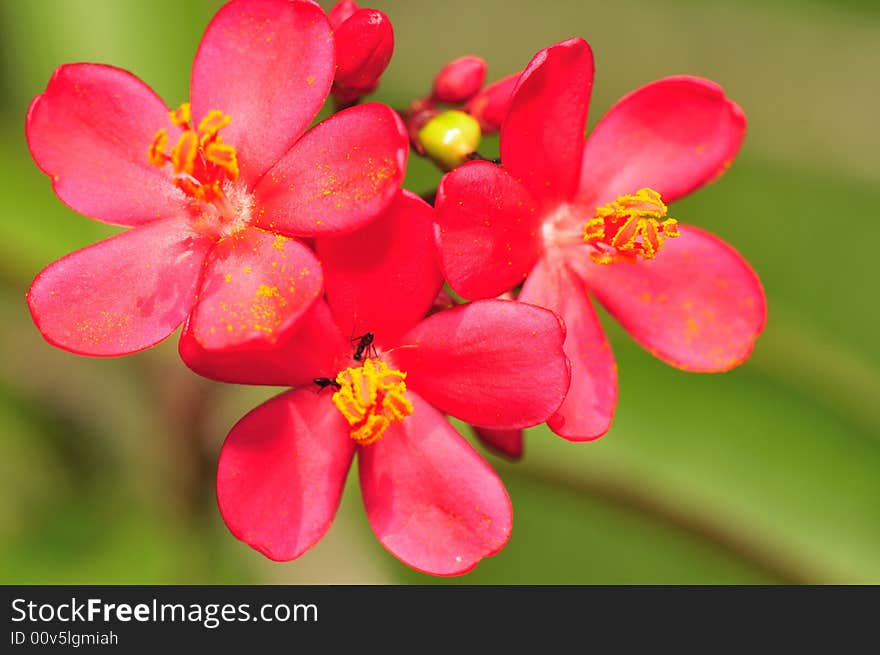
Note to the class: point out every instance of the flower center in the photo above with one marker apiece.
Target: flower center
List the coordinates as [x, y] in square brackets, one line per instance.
[371, 397]
[205, 169]
[631, 226]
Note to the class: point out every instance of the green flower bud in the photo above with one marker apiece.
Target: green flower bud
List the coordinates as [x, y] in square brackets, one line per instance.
[449, 138]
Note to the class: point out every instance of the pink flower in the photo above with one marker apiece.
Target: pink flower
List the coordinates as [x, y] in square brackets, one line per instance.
[571, 218]
[213, 191]
[431, 500]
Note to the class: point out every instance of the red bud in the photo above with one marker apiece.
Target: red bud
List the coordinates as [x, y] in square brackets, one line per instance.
[459, 80]
[364, 44]
[490, 105]
[341, 12]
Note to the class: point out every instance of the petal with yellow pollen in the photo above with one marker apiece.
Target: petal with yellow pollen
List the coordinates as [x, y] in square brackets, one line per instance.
[123, 294]
[261, 300]
[698, 305]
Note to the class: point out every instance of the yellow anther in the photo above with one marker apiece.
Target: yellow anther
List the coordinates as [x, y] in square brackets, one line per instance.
[189, 187]
[630, 226]
[157, 154]
[182, 115]
[371, 431]
[224, 156]
[370, 398]
[595, 229]
[183, 155]
[202, 162]
[213, 122]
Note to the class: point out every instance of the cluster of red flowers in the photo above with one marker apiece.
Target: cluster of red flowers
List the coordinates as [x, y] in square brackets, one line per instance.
[293, 257]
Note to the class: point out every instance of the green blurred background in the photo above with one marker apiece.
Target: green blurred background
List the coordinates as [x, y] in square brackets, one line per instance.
[770, 473]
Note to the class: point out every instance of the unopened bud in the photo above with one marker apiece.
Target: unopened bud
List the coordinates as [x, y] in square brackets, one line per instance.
[341, 12]
[459, 80]
[364, 43]
[490, 105]
[449, 138]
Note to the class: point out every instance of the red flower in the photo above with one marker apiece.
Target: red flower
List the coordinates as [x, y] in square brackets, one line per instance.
[212, 190]
[431, 500]
[570, 217]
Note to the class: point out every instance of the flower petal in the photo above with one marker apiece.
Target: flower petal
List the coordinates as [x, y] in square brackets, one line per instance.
[339, 176]
[256, 285]
[91, 132]
[120, 295]
[384, 277]
[698, 306]
[488, 231]
[542, 137]
[269, 65]
[432, 501]
[311, 348]
[673, 135]
[490, 105]
[492, 363]
[508, 443]
[589, 406]
[281, 473]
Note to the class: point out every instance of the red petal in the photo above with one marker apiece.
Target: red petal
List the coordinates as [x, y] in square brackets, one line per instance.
[542, 137]
[312, 348]
[123, 294]
[508, 443]
[698, 305]
[589, 406]
[256, 286]
[492, 363]
[269, 65]
[384, 277]
[91, 132]
[341, 175]
[490, 106]
[432, 501]
[488, 230]
[673, 135]
[364, 44]
[281, 473]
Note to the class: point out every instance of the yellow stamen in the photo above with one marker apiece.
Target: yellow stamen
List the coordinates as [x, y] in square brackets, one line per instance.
[189, 187]
[157, 154]
[631, 226]
[182, 115]
[183, 155]
[371, 431]
[199, 156]
[370, 398]
[595, 229]
[224, 156]
[214, 122]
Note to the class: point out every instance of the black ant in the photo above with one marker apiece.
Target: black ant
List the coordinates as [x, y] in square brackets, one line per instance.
[364, 342]
[323, 383]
